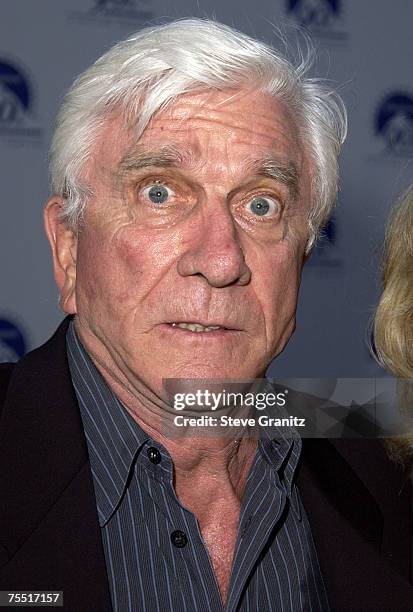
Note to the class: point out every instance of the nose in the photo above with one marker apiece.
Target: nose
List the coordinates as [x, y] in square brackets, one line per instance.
[215, 251]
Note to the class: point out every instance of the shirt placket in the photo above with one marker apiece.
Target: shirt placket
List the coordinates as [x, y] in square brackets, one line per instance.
[181, 543]
[260, 513]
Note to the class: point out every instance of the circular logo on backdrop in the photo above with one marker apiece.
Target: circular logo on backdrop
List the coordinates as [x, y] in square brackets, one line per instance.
[16, 104]
[12, 341]
[394, 123]
[317, 13]
[15, 96]
[324, 18]
[113, 5]
[128, 9]
[121, 11]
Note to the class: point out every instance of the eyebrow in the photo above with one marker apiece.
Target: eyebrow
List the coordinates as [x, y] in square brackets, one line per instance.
[172, 156]
[285, 172]
[167, 156]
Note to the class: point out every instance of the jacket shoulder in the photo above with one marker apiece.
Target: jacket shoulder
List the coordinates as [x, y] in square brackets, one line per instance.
[43, 365]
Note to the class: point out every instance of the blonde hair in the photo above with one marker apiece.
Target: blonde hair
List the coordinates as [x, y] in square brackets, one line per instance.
[393, 325]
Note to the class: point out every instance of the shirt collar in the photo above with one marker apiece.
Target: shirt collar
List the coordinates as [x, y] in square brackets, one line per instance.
[114, 439]
[281, 446]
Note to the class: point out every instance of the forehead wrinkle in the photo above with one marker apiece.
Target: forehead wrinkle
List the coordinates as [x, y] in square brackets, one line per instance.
[233, 121]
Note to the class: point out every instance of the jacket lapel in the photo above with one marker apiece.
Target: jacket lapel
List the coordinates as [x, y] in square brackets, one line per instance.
[50, 532]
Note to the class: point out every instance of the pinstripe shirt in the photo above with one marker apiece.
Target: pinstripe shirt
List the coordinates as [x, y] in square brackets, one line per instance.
[155, 556]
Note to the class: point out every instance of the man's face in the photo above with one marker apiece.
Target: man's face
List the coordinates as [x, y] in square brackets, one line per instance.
[202, 221]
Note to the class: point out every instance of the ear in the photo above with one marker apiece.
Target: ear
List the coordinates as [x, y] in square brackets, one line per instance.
[63, 242]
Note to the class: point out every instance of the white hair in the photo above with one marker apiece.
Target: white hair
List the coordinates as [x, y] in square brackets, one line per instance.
[149, 70]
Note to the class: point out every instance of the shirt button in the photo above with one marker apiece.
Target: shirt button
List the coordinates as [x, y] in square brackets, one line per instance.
[179, 539]
[154, 455]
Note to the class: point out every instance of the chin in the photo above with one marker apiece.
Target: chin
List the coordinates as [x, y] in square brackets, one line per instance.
[214, 371]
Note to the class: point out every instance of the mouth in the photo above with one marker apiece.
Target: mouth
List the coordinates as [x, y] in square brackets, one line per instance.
[198, 328]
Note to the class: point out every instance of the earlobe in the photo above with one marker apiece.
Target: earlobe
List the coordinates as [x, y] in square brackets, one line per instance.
[63, 243]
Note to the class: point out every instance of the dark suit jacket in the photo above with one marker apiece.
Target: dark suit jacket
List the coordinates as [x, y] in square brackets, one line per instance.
[358, 503]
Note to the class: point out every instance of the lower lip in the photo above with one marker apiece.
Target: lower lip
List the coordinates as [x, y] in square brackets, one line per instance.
[179, 332]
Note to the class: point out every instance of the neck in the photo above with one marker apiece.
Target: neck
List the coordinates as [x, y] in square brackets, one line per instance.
[201, 458]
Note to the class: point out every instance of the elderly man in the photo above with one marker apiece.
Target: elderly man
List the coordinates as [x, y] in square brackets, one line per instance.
[192, 168]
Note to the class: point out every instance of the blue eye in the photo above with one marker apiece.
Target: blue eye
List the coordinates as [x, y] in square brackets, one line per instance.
[261, 206]
[158, 194]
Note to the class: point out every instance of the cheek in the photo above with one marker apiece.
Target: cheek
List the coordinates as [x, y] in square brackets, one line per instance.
[277, 283]
[90, 258]
[119, 268]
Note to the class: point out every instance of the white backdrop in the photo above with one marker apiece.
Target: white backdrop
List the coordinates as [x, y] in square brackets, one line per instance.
[364, 47]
